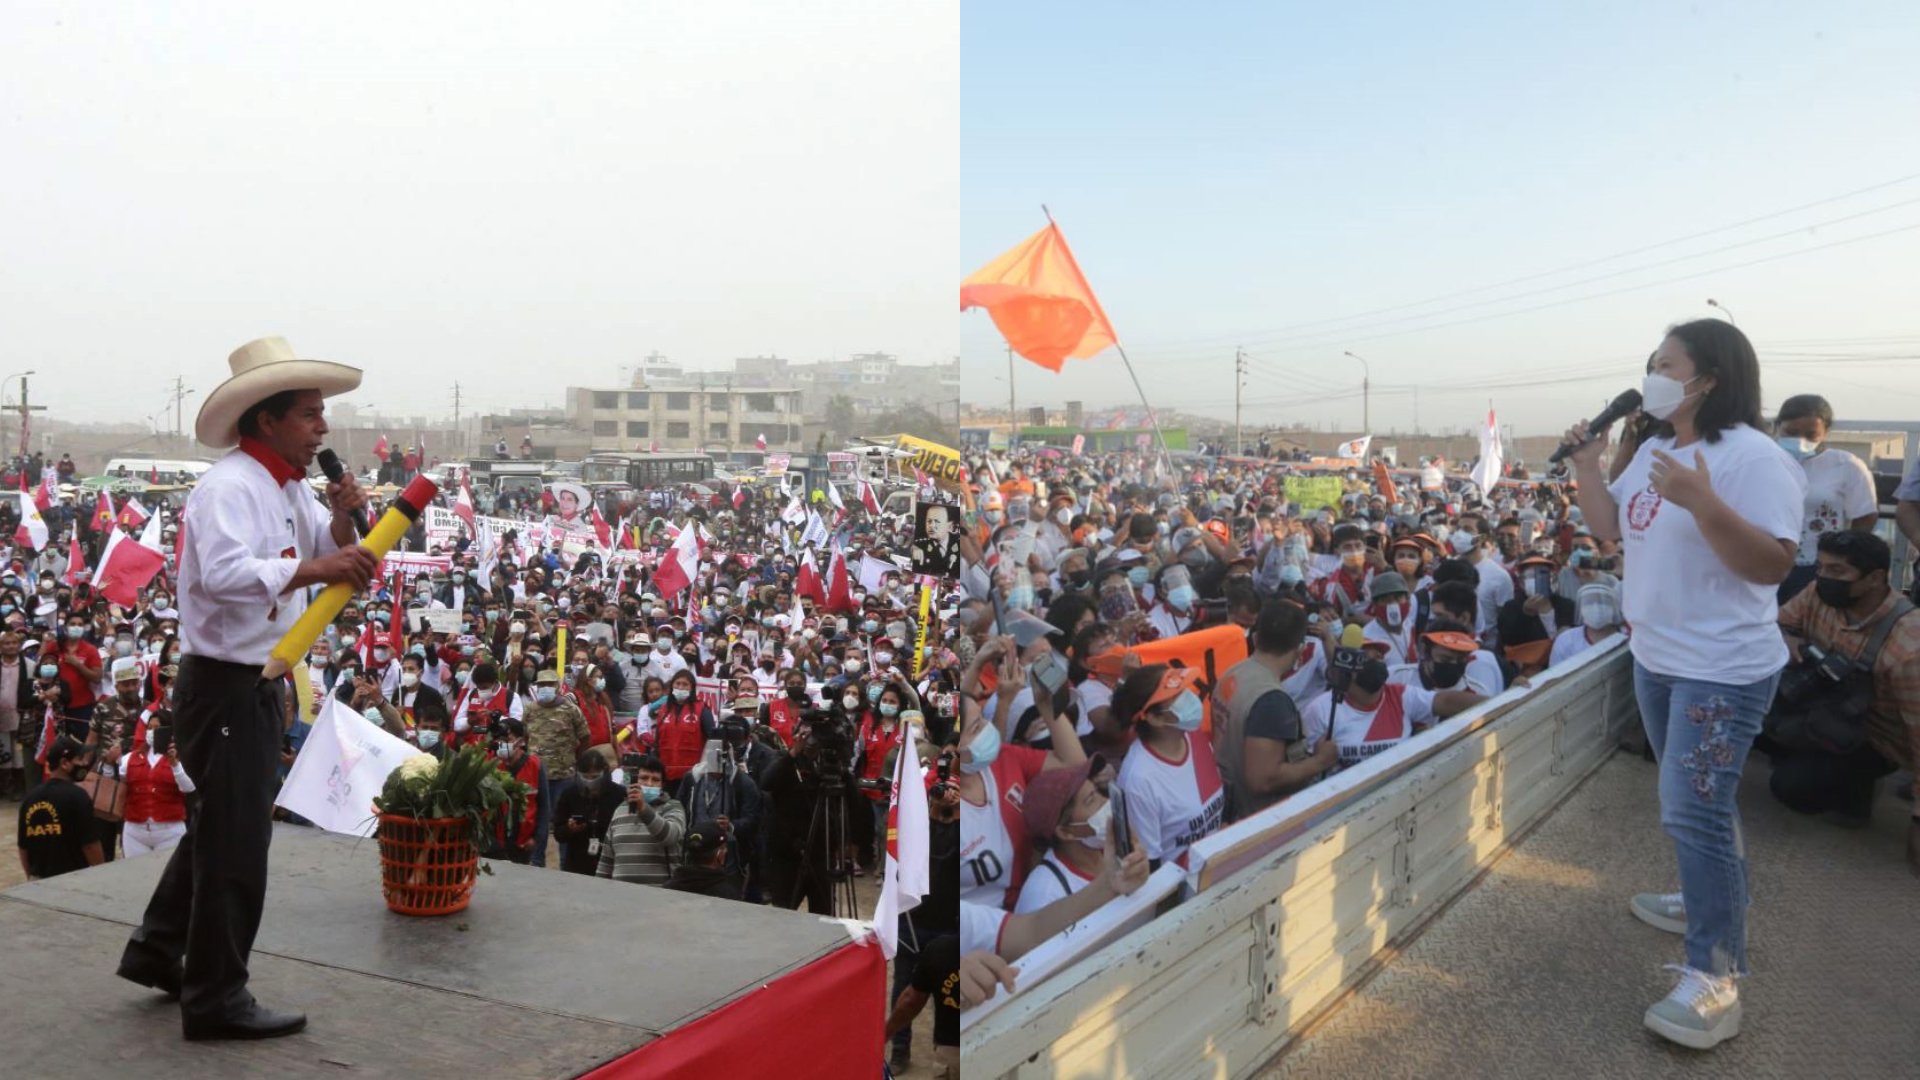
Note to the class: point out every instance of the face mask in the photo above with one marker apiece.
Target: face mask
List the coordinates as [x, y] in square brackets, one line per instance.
[318, 659]
[503, 749]
[599, 684]
[1291, 575]
[409, 680]
[373, 716]
[651, 794]
[545, 695]
[853, 667]
[984, 749]
[889, 710]
[383, 654]
[1801, 449]
[1406, 568]
[850, 701]
[591, 781]
[48, 671]
[1097, 821]
[1137, 576]
[883, 658]
[538, 658]
[797, 693]
[1353, 560]
[6, 609]
[1445, 673]
[1019, 598]
[662, 647]
[1187, 711]
[873, 692]
[1660, 395]
[123, 648]
[1599, 613]
[517, 627]
[529, 673]
[462, 677]
[681, 693]
[1393, 614]
[1833, 592]
[1181, 598]
[428, 739]
[1064, 515]
[1371, 676]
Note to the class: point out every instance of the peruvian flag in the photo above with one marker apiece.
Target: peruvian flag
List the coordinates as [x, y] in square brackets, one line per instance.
[463, 504]
[682, 561]
[380, 448]
[103, 513]
[32, 531]
[132, 514]
[127, 564]
[739, 497]
[760, 443]
[601, 531]
[839, 591]
[833, 496]
[903, 882]
[807, 584]
[867, 498]
[43, 495]
[77, 571]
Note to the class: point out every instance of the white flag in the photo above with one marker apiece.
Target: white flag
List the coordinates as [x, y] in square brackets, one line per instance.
[341, 767]
[1486, 472]
[873, 572]
[905, 878]
[1354, 448]
[815, 533]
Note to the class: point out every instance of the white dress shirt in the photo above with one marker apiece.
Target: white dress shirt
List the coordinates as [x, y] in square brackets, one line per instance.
[242, 536]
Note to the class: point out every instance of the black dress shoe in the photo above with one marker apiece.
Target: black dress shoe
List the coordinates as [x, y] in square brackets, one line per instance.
[255, 1022]
[162, 975]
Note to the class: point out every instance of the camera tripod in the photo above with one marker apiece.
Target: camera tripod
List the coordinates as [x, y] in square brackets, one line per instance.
[829, 827]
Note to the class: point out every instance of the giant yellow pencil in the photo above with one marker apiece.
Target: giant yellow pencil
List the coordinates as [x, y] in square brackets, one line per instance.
[380, 539]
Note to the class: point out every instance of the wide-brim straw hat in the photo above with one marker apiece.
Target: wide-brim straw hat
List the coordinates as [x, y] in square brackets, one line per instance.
[262, 369]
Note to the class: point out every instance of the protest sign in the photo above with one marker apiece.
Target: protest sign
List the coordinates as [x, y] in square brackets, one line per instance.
[1313, 492]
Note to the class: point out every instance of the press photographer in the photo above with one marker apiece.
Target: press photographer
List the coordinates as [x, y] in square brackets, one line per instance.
[813, 825]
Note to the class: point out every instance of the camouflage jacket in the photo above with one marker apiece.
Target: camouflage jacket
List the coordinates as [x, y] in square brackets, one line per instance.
[556, 734]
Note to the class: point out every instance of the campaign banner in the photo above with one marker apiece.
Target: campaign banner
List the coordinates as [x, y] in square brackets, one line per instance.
[1353, 448]
[410, 565]
[1313, 492]
[776, 465]
[842, 465]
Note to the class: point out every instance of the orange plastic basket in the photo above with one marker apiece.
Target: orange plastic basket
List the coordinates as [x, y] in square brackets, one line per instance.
[427, 866]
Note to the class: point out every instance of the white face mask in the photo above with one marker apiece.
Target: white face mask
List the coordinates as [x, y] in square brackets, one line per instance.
[1660, 395]
[409, 680]
[1097, 821]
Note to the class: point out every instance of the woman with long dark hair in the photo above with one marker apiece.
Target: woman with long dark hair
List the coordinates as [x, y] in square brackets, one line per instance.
[1708, 516]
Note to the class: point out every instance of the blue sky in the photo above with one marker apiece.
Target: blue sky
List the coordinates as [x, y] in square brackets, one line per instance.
[1253, 174]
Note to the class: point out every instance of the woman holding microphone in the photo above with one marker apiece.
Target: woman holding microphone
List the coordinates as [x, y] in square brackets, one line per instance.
[1708, 517]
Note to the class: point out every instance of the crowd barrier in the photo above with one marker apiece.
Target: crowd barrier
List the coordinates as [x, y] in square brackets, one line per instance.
[1289, 908]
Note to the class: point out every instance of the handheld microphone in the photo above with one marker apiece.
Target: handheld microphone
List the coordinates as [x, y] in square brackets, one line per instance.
[330, 464]
[1352, 637]
[1626, 403]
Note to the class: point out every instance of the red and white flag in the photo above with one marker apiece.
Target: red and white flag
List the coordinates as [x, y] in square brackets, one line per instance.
[463, 504]
[904, 881]
[807, 582]
[760, 443]
[839, 590]
[43, 495]
[128, 564]
[103, 513]
[380, 448]
[32, 531]
[77, 571]
[867, 498]
[132, 514]
[602, 532]
[681, 563]
[833, 496]
[1487, 471]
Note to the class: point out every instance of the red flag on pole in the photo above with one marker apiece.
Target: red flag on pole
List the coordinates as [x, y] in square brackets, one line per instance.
[380, 448]
[103, 513]
[1040, 301]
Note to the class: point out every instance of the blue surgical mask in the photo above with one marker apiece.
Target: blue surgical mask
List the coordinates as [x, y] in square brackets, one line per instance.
[1290, 575]
[1187, 711]
[1800, 449]
[1181, 598]
[651, 794]
[873, 692]
[1137, 576]
[544, 695]
[984, 749]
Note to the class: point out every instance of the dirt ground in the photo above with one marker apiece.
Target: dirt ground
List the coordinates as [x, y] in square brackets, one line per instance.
[866, 890]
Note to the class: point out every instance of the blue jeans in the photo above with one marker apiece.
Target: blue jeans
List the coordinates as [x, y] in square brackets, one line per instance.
[542, 819]
[1700, 733]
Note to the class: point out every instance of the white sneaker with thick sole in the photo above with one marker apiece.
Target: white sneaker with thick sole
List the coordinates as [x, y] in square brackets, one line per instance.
[1702, 1012]
[1663, 910]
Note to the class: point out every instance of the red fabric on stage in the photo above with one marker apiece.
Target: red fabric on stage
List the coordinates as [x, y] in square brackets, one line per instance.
[826, 1019]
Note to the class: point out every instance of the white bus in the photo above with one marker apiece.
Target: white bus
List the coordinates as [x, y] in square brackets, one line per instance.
[158, 470]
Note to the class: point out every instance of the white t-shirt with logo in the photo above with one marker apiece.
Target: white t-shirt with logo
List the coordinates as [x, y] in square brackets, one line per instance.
[1692, 617]
[1170, 805]
[1839, 489]
[1359, 733]
[1044, 886]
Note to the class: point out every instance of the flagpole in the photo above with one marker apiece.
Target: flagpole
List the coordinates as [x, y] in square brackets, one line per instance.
[1153, 419]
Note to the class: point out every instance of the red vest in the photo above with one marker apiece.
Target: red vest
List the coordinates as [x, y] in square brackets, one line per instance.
[499, 702]
[875, 745]
[782, 714]
[677, 738]
[152, 794]
[528, 774]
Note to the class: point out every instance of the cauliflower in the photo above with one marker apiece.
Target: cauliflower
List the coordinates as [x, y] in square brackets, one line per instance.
[419, 767]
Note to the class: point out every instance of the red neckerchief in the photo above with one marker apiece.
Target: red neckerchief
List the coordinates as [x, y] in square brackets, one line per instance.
[276, 466]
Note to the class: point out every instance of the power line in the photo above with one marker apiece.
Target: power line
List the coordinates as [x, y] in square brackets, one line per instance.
[1550, 273]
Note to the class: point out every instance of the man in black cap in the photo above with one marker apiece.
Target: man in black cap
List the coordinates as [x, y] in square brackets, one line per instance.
[705, 869]
[56, 818]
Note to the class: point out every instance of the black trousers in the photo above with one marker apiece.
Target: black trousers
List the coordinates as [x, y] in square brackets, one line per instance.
[1829, 783]
[227, 723]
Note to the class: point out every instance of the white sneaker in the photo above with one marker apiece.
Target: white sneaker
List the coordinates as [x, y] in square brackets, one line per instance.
[1702, 1012]
[1664, 910]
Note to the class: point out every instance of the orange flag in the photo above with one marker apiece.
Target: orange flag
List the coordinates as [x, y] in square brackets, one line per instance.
[1040, 301]
[1383, 481]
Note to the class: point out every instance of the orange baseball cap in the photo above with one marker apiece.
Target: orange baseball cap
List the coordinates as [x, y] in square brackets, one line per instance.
[1171, 684]
[1453, 639]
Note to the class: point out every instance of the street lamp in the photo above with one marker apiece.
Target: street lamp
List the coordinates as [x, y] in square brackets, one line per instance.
[1366, 394]
[1712, 303]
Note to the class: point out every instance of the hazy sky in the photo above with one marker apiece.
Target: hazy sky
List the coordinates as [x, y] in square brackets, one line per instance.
[518, 197]
[1269, 174]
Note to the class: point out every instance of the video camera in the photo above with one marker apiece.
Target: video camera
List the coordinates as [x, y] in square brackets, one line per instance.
[1818, 672]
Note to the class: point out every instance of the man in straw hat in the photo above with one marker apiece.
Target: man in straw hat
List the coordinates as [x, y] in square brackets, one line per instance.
[253, 539]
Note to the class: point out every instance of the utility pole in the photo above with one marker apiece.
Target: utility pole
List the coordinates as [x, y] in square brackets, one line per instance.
[180, 393]
[1013, 414]
[1366, 394]
[459, 437]
[1239, 380]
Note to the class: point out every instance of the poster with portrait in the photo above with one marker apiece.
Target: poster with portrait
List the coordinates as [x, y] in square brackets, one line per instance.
[936, 539]
[571, 504]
